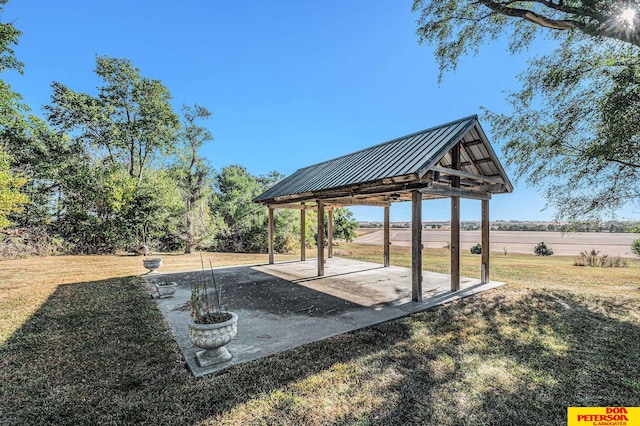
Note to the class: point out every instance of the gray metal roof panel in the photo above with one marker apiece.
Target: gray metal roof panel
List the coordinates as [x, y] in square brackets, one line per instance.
[399, 157]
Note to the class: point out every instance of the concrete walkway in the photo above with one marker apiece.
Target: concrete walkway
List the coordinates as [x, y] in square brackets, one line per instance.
[285, 305]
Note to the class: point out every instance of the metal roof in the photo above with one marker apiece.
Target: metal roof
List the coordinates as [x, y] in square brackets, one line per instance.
[409, 157]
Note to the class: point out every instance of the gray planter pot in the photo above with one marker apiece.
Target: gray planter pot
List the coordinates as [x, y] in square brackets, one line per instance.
[166, 289]
[212, 338]
[152, 264]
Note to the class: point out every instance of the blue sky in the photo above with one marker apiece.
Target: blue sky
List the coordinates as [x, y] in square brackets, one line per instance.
[289, 83]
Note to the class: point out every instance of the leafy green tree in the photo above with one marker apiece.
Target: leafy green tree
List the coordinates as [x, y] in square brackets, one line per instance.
[573, 130]
[157, 202]
[344, 225]
[110, 194]
[8, 38]
[286, 237]
[12, 109]
[243, 223]
[130, 121]
[194, 175]
[49, 160]
[11, 199]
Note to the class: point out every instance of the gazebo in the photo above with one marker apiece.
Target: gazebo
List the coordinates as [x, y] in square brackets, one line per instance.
[453, 160]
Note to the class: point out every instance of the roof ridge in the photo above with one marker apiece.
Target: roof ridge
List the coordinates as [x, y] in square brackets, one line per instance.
[470, 117]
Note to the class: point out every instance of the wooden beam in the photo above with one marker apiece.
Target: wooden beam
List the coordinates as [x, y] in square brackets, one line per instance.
[451, 191]
[459, 173]
[486, 249]
[416, 246]
[292, 206]
[473, 142]
[303, 233]
[478, 161]
[387, 242]
[351, 201]
[320, 238]
[399, 179]
[483, 188]
[330, 234]
[271, 229]
[455, 222]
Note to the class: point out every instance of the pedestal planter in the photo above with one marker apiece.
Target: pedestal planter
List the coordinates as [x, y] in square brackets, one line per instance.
[212, 338]
[152, 264]
[166, 289]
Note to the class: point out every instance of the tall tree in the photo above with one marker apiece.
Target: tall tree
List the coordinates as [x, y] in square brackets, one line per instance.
[49, 160]
[130, 120]
[194, 179]
[13, 128]
[12, 109]
[573, 130]
[243, 223]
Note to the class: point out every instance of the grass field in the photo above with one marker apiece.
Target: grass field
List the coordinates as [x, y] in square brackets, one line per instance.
[82, 343]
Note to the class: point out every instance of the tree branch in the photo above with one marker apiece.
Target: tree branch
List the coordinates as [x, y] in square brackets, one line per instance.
[596, 24]
[528, 15]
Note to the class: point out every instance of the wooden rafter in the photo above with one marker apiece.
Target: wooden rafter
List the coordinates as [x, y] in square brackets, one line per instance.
[472, 176]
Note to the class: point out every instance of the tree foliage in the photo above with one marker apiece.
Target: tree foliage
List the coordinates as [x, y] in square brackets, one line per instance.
[193, 176]
[97, 170]
[11, 199]
[573, 128]
[130, 120]
[344, 225]
[242, 224]
[8, 38]
[460, 27]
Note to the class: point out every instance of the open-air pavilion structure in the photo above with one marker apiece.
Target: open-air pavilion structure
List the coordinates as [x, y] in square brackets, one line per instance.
[453, 160]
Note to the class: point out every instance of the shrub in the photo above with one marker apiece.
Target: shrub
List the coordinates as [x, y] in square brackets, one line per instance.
[587, 258]
[542, 250]
[593, 259]
[34, 241]
[477, 249]
[635, 247]
[617, 262]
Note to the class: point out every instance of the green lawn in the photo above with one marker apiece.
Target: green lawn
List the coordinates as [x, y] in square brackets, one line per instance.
[98, 352]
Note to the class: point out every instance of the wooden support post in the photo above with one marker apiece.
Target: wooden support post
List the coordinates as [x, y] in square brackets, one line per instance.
[330, 234]
[455, 222]
[416, 246]
[320, 238]
[303, 233]
[485, 242]
[387, 242]
[271, 229]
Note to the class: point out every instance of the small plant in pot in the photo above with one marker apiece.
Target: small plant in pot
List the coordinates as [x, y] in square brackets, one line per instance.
[210, 327]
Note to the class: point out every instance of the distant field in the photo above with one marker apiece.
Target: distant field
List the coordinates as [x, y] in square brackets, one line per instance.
[567, 244]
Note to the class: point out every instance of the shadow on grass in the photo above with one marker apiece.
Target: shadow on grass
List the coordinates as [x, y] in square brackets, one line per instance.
[491, 360]
[100, 352]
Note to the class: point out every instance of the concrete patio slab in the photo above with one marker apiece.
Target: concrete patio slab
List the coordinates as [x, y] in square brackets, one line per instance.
[285, 305]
